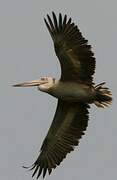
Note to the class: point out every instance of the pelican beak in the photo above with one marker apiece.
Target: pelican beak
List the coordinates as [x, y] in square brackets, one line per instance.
[30, 83]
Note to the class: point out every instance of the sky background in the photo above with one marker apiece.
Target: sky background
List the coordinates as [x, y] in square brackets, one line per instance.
[26, 53]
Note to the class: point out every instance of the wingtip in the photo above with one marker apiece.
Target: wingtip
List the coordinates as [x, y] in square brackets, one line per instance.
[40, 171]
[48, 16]
[44, 172]
[53, 13]
[29, 168]
[49, 171]
[54, 16]
[45, 20]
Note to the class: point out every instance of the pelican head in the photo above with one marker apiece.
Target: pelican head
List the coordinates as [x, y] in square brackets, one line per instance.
[43, 84]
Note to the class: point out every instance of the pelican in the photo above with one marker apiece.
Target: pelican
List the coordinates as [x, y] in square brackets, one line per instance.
[75, 91]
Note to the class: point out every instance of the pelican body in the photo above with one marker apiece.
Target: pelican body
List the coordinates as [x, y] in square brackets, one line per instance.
[71, 91]
[75, 91]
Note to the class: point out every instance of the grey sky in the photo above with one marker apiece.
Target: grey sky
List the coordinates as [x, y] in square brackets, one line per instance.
[26, 53]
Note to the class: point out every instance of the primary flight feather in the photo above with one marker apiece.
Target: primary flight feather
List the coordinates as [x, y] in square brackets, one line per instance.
[75, 55]
[75, 91]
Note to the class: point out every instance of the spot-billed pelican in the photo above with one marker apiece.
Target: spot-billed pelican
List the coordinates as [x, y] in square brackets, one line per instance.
[75, 91]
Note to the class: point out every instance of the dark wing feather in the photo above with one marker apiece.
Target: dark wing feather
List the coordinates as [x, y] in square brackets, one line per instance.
[68, 126]
[75, 55]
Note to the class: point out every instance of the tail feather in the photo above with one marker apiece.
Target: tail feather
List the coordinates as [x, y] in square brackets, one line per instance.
[103, 96]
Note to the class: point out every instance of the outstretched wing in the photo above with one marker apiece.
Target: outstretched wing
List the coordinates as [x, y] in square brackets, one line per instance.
[68, 126]
[75, 55]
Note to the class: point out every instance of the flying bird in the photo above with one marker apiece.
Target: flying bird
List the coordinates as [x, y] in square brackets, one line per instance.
[75, 91]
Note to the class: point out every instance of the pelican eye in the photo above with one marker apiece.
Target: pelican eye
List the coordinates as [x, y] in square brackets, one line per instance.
[54, 80]
[43, 78]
